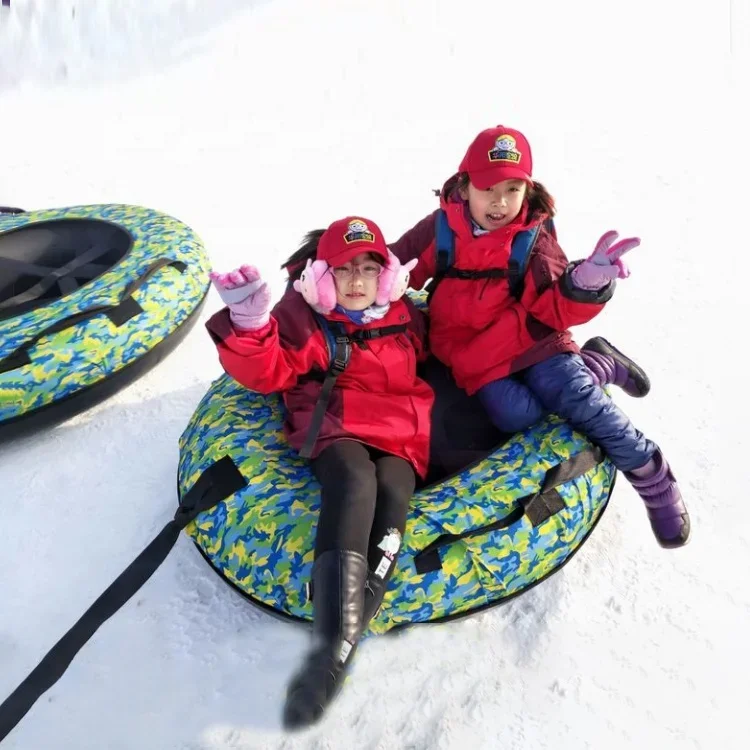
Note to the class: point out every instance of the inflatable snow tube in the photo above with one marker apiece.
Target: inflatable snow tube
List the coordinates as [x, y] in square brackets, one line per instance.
[472, 540]
[90, 298]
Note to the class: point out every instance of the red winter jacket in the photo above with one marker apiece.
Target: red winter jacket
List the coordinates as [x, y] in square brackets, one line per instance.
[378, 400]
[477, 327]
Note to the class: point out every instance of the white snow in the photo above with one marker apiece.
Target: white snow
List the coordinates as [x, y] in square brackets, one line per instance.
[257, 121]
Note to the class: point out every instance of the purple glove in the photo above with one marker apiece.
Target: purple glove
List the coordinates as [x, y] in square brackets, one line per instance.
[604, 264]
[246, 295]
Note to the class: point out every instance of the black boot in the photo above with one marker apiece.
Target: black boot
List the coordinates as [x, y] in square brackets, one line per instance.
[339, 585]
[374, 592]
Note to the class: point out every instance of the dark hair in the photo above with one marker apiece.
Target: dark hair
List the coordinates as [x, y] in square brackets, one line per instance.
[539, 200]
[295, 263]
[537, 196]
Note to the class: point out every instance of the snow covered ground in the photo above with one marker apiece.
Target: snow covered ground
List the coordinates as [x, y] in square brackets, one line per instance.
[256, 121]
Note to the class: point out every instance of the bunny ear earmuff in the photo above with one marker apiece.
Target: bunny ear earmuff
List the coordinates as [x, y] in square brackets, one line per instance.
[317, 287]
[394, 280]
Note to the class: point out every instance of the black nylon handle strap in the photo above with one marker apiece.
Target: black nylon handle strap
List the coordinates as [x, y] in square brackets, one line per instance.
[134, 286]
[429, 558]
[572, 468]
[119, 313]
[537, 507]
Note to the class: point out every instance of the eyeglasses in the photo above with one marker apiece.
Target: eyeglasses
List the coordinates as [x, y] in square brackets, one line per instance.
[366, 270]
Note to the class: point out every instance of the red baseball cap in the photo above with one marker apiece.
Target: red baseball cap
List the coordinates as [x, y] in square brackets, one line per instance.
[347, 238]
[495, 155]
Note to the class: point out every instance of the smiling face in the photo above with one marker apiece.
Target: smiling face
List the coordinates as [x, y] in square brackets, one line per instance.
[357, 282]
[497, 206]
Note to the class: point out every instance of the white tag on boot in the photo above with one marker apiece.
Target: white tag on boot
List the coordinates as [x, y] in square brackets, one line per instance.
[346, 648]
[383, 566]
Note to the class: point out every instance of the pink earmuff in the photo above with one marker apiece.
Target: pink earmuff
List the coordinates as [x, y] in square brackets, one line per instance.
[394, 280]
[317, 287]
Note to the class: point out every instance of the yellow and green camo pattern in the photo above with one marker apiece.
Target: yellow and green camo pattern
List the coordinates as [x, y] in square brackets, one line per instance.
[81, 356]
[261, 538]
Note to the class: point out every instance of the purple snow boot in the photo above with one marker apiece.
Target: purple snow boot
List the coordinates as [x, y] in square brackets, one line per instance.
[658, 489]
[610, 366]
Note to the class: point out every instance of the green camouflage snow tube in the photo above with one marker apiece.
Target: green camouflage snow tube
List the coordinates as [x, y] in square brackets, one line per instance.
[90, 298]
[472, 541]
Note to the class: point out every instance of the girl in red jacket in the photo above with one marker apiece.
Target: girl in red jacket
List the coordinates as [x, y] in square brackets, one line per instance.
[366, 430]
[513, 348]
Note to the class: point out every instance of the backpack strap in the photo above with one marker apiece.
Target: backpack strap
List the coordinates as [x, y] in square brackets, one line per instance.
[523, 244]
[445, 243]
[520, 252]
[485, 273]
[339, 353]
[377, 333]
[339, 344]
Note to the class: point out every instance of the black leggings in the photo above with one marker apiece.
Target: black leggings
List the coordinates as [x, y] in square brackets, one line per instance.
[365, 495]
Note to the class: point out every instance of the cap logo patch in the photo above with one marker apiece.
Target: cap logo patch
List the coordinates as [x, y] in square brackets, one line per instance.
[505, 150]
[358, 231]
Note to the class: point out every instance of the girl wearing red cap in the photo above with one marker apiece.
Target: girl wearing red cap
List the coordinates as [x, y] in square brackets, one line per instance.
[366, 430]
[511, 346]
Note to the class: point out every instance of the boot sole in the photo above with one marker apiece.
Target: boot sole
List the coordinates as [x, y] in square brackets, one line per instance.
[679, 541]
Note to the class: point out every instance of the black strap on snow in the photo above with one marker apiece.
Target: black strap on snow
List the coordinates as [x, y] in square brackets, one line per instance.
[216, 483]
[538, 507]
[339, 344]
[119, 314]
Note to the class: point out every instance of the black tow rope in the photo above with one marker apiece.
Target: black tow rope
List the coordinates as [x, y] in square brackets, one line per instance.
[216, 483]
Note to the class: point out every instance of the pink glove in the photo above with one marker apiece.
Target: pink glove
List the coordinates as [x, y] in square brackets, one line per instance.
[604, 264]
[317, 286]
[394, 280]
[246, 295]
